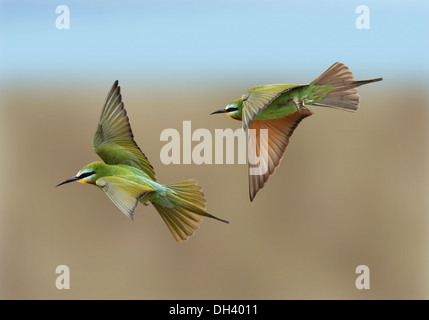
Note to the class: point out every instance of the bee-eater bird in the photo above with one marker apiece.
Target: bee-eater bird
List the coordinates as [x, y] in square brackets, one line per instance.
[279, 108]
[128, 178]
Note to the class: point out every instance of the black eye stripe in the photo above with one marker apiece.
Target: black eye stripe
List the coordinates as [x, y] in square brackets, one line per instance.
[231, 109]
[86, 174]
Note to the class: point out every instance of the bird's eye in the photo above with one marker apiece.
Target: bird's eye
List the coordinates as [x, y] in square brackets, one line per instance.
[231, 109]
[86, 174]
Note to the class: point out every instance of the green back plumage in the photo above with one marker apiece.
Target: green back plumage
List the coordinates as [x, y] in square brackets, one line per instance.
[258, 98]
[272, 88]
[114, 140]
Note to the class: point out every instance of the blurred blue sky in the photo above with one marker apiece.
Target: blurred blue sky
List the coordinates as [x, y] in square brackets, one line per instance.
[215, 39]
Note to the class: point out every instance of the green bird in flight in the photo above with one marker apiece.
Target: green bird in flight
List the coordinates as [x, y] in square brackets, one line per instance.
[127, 177]
[279, 108]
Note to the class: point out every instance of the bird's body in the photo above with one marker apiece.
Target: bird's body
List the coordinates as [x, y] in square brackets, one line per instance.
[279, 108]
[127, 177]
[284, 104]
[128, 174]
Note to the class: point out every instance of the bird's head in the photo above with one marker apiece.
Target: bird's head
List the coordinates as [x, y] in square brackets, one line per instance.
[87, 174]
[232, 110]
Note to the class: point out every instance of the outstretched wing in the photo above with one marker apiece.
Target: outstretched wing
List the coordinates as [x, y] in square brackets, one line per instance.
[124, 193]
[114, 140]
[279, 132]
[258, 98]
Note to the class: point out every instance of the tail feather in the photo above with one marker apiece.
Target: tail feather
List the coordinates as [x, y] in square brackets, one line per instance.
[180, 226]
[344, 95]
[188, 209]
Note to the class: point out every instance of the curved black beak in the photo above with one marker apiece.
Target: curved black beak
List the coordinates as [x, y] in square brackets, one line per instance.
[220, 111]
[67, 181]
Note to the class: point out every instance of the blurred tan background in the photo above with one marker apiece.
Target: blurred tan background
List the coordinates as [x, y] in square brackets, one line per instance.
[351, 190]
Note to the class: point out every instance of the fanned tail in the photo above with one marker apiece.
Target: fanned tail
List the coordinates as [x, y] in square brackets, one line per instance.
[344, 95]
[187, 210]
